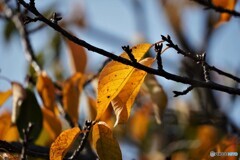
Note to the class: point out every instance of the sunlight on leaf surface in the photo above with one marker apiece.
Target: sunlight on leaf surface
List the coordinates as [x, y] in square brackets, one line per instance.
[114, 76]
[123, 102]
[63, 142]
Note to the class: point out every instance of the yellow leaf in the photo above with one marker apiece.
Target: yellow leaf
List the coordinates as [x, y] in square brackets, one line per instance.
[72, 88]
[78, 56]
[51, 125]
[139, 123]
[63, 142]
[105, 144]
[107, 117]
[227, 4]
[123, 102]
[46, 90]
[4, 96]
[114, 76]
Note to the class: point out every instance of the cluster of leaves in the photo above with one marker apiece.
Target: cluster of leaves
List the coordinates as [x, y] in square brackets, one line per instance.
[120, 87]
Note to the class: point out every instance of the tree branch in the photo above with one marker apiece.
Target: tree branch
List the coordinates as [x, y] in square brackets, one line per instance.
[167, 75]
[209, 5]
[17, 19]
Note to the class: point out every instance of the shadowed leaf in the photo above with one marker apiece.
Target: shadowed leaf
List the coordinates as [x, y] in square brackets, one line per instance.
[105, 144]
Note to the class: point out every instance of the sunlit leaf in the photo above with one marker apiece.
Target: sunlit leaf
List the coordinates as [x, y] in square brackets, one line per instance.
[72, 88]
[78, 56]
[63, 142]
[139, 123]
[107, 117]
[123, 102]
[158, 97]
[105, 144]
[4, 96]
[51, 128]
[46, 90]
[227, 4]
[114, 76]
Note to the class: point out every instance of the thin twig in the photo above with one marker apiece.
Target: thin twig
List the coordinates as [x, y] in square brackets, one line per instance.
[97, 74]
[86, 130]
[177, 93]
[26, 141]
[197, 58]
[18, 21]
[167, 75]
[128, 50]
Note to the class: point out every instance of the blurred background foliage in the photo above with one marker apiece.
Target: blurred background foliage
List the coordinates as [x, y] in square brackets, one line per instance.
[192, 125]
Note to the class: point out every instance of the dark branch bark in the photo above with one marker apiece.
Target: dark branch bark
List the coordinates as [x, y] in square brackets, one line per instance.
[167, 75]
[209, 5]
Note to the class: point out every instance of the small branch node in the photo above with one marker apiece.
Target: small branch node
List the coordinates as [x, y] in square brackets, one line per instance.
[158, 49]
[55, 18]
[128, 50]
[178, 93]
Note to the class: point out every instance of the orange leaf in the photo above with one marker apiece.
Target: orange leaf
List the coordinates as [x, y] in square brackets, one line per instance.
[51, 128]
[227, 4]
[5, 122]
[78, 56]
[12, 134]
[139, 123]
[72, 88]
[4, 96]
[105, 144]
[114, 76]
[7, 132]
[123, 102]
[46, 90]
[63, 143]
